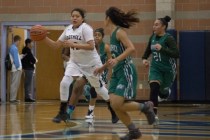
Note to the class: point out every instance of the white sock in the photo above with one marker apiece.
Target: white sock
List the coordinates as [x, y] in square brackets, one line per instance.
[91, 107]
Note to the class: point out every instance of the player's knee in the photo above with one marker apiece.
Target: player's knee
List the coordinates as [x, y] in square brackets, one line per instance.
[116, 106]
[79, 86]
[103, 92]
[154, 91]
[64, 87]
[65, 83]
[93, 93]
[154, 87]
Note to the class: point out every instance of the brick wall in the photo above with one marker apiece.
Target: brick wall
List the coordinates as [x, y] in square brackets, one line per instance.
[190, 15]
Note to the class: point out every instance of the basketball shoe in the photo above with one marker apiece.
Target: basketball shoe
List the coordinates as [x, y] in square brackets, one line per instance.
[90, 123]
[149, 112]
[156, 123]
[57, 118]
[90, 114]
[132, 134]
[165, 95]
[62, 111]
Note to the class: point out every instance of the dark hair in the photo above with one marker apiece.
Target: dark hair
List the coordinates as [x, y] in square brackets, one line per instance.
[80, 10]
[17, 38]
[27, 41]
[165, 21]
[122, 19]
[100, 30]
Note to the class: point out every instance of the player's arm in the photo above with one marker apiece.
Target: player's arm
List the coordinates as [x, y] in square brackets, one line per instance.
[123, 38]
[147, 53]
[108, 51]
[109, 55]
[56, 44]
[106, 65]
[101, 69]
[148, 50]
[87, 46]
[52, 43]
[66, 53]
[171, 50]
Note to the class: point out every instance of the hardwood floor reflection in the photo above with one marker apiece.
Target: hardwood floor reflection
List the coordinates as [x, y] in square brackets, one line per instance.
[33, 121]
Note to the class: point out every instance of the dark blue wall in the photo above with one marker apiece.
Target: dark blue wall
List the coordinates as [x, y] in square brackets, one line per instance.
[173, 96]
[193, 61]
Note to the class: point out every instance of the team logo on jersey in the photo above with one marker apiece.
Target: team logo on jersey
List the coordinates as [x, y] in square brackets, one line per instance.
[120, 86]
[76, 37]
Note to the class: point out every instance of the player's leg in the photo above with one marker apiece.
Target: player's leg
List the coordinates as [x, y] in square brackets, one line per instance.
[121, 110]
[86, 92]
[64, 95]
[155, 80]
[125, 88]
[154, 92]
[70, 90]
[63, 106]
[103, 92]
[71, 73]
[165, 88]
[76, 93]
[92, 101]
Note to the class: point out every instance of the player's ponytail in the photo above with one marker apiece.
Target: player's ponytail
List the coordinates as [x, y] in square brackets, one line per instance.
[122, 19]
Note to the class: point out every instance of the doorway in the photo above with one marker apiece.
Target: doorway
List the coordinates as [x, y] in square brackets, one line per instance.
[24, 25]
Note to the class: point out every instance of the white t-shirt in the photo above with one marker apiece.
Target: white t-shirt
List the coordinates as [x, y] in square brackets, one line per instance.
[82, 34]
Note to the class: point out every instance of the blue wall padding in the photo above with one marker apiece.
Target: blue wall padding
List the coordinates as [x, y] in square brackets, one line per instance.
[192, 65]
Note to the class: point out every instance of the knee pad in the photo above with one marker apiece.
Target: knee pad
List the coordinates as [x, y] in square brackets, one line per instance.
[103, 92]
[93, 93]
[64, 87]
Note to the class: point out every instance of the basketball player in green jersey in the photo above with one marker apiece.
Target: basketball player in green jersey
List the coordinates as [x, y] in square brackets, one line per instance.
[104, 52]
[122, 87]
[162, 70]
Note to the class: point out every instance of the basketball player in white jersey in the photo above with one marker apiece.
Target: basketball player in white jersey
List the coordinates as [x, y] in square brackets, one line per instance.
[83, 61]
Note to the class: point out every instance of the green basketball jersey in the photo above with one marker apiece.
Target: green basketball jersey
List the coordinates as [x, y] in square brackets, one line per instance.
[103, 57]
[159, 59]
[117, 49]
[102, 53]
[124, 75]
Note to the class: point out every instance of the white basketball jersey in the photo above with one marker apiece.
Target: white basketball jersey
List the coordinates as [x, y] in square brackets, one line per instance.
[81, 35]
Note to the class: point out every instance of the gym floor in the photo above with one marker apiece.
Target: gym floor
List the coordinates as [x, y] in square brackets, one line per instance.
[33, 121]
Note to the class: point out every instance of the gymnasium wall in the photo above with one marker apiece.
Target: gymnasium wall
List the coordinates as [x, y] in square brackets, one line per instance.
[188, 15]
[192, 15]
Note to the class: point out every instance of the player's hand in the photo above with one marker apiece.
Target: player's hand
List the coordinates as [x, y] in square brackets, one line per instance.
[158, 47]
[146, 62]
[112, 62]
[97, 71]
[68, 43]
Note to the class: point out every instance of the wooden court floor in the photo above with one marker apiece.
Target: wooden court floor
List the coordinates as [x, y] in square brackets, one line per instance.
[32, 121]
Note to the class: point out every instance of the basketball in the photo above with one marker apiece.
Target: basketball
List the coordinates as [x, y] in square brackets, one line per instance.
[38, 32]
